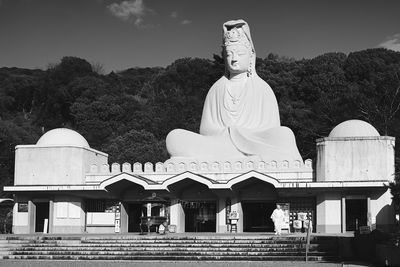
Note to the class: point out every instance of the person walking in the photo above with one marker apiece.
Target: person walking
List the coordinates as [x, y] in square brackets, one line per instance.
[278, 217]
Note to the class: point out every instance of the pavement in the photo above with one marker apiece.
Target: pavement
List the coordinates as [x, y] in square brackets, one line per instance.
[50, 263]
[133, 235]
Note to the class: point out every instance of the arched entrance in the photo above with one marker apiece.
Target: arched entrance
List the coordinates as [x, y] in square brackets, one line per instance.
[199, 205]
[258, 200]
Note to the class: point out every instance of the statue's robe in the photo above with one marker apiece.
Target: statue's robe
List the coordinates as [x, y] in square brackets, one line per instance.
[251, 127]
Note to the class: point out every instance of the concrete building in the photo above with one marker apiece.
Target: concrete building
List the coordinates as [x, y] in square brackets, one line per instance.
[63, 186]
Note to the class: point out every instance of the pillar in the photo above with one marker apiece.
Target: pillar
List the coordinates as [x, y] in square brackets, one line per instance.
[124, 218]
[329, 219]
[343, 214]
[31, 216]
[177, 216]
[51, 215]
[221, 215]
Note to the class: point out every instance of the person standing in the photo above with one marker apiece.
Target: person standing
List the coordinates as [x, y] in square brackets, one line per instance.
[278, 217]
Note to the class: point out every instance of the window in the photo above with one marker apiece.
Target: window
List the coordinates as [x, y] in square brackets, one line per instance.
[101, 205]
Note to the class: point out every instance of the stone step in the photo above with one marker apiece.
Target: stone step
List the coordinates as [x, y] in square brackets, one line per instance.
[165, 237]
[156, 247]
[122, 244]
[169, 258]
[192, 248]
[163, 252]
[199, 241]
[327, 245]
[162, 249]
[171, 253]
[169, 247]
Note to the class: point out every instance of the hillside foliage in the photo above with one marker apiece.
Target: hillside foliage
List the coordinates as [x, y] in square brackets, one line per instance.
[129, 113]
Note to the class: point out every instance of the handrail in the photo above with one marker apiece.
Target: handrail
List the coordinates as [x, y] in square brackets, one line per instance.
[308, 237]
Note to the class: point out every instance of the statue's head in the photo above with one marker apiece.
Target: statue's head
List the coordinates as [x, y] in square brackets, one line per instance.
[238, 48]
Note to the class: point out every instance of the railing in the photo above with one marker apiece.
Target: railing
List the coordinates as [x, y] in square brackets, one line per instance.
[204, 167]
[308, 238]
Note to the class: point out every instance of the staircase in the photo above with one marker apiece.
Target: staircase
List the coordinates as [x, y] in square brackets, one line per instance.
[209, 247]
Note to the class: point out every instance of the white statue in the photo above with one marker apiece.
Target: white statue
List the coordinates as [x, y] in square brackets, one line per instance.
[240, 115]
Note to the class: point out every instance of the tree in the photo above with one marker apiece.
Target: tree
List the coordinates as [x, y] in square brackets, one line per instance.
[177, 94]
[54, 97]
[375, 73]
[12, 135]
[136, 146]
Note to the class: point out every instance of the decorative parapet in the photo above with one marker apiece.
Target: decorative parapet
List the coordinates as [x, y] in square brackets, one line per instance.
[170, 167]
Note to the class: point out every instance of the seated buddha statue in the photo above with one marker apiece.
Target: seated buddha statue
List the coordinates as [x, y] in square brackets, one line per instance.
[240, 115]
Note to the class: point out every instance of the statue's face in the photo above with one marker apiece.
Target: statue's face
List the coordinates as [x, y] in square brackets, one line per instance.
[238, 58]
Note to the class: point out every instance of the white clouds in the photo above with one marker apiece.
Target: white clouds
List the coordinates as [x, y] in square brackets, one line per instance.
[186, 22]
[175, 15]
[134, 10]
[392, 42]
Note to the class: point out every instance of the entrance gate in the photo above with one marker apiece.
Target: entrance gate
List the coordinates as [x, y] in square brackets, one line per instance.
[199, 216]
[42, 214]
[356, 213]
[134, 214]
[256, 216]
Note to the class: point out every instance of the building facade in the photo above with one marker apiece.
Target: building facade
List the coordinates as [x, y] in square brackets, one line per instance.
[62, 185]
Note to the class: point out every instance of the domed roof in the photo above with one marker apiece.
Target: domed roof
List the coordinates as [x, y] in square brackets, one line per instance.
[354, 128]
[62, 136]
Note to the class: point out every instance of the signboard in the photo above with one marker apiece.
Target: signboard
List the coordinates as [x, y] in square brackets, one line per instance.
[171, 228]
[117, 226]
[227, 210]
[307, 224]
[117, 209]
[302, 216]
[297, 224]
[234, 216]
[45, 226]
[23, 207]
[364, 230]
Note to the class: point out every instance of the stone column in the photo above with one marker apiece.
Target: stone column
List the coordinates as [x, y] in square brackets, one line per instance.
[329, 213]
[31, 216]
[177, 216]
[221, 215]
[124, 218]
[21, 218]
[343, 214]
[51, 216]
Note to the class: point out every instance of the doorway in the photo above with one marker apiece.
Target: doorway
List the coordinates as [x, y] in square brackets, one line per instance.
[256, 216]
[200, 216]
[356, 213]
[134, 214]
[42, 214]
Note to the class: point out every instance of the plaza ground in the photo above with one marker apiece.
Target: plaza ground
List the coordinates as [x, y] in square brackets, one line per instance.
[21, 263]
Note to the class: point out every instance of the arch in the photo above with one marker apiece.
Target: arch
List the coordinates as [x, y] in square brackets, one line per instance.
[252, 174]
[3, 200]
[188, 175]
[144, 182]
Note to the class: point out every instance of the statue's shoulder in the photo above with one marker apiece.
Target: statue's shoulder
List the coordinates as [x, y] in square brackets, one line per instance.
[218, 85]
[220, 82]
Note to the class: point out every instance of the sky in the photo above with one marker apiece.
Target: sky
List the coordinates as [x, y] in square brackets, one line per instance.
[146, 33]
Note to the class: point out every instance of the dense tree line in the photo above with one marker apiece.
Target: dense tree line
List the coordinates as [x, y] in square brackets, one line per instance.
[129, 113]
